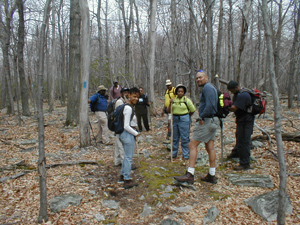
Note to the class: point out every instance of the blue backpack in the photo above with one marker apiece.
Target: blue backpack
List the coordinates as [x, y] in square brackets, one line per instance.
[115, 120]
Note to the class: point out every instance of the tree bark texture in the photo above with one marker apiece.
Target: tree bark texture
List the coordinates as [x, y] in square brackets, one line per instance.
[53, 70]
[43, 216]
[85, 73]
[277, 115]
[192, 51]
[20, 48]
[74, 65]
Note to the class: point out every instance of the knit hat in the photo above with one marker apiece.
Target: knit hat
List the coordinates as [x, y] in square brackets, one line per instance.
[168, 82]
[102, 88]
[180, 86]
[232, 84]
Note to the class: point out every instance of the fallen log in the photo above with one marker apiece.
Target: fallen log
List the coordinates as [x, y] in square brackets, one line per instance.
[3, 179]
[72, 163]
[291, 136]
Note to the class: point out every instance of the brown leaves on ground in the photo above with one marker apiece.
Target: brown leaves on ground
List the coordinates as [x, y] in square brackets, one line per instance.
[19, 198]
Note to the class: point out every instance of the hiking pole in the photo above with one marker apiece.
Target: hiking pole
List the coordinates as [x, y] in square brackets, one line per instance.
[222, 143]
[172, 133]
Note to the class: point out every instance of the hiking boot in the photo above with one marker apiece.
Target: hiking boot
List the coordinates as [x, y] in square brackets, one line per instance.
[121, 179]
[129, 184]
[210, 179]
[233, 155]
[242, 167]
[188, 177]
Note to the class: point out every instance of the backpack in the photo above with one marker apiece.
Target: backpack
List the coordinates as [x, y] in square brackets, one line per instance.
[93, 105]
[258, 102]
[115, 121]
[111, 105]
[224, 101]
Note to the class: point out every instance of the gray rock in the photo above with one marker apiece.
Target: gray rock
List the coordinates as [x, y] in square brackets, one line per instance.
[167, 195]
[146, 211]
[28, 142]
[211, 215]
[28, 149]
[169, 222]
[99, 217]
[182, 209]
[146, 153]
[257, 144]
[169, 188]
[229, 140]
[202, 158]
[266, 205]
[111, 204]
[61, 202]
[251, 180]
[3, 151]
[142, 198]
[92, 192]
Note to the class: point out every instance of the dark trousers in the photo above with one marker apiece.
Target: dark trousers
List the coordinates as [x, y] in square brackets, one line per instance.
[145, 121]
[243, 134]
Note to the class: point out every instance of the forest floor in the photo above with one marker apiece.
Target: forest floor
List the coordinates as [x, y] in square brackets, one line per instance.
[19, 198]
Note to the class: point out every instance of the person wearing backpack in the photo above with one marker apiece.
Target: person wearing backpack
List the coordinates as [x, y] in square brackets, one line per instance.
[128, 137]
[244, 125]
[115, 91]
[142, 111]
[169, 94]
[204, 131]
[182, 109]
[119, 151]
[99, 102]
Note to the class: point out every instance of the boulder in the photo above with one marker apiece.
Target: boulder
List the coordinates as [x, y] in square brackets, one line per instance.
[266, 205]
[251, 180]
[61, 202]
[211, 215]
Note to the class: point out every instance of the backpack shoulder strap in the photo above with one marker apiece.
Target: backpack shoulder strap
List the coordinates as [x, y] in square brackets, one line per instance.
[185, 102]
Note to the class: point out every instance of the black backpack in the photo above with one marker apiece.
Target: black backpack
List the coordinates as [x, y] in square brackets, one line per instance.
[111, 106]
[93, 105]
[258, 102]
[115, 120]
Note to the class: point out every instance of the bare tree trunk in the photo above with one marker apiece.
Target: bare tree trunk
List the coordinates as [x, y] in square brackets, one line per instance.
[5, 38]
[52, 76]
[74, 65]
[210, 41]
[152, 44]
[100, 39]
[277, 115]
[192, 50]
[175, 52]
[219, 41]
[232, 39]
[294, 59]
[85, 73]
[43, 216]
[107, 48]
[20, 49]
[244, 32]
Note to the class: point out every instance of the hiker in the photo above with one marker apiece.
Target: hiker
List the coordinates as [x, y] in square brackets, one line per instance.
[100, 111]
[182, 109]
[204, 131]
[115, 91]
[128, 137]
[169, 94]
[141, 110]
[119, 151]
[244, 125]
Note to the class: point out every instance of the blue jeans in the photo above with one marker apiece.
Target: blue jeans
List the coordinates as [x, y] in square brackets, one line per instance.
[128, 143]
[181, 130]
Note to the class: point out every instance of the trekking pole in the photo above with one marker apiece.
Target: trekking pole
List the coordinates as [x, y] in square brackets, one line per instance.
[172, 133]
[222, 143]
[92, 132]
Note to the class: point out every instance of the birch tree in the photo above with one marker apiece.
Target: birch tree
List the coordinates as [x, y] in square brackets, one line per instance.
[277, 115]
[85, 72]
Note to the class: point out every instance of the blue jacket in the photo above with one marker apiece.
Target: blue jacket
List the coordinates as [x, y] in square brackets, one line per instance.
[102, 102]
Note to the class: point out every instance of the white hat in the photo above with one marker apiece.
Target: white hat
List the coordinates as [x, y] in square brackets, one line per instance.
[168, 82]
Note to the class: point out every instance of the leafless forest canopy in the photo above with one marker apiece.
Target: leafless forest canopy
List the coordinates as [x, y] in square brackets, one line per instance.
[223, 37]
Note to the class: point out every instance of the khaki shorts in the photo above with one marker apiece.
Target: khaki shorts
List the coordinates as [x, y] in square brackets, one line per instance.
[207, 131]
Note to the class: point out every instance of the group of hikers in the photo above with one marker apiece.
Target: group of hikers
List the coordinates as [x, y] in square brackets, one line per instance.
[179, 110]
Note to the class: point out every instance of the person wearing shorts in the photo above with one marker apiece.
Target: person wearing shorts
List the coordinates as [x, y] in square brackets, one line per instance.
[204, 131]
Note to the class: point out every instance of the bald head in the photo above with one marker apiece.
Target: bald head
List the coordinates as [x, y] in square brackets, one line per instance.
[201, 78]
